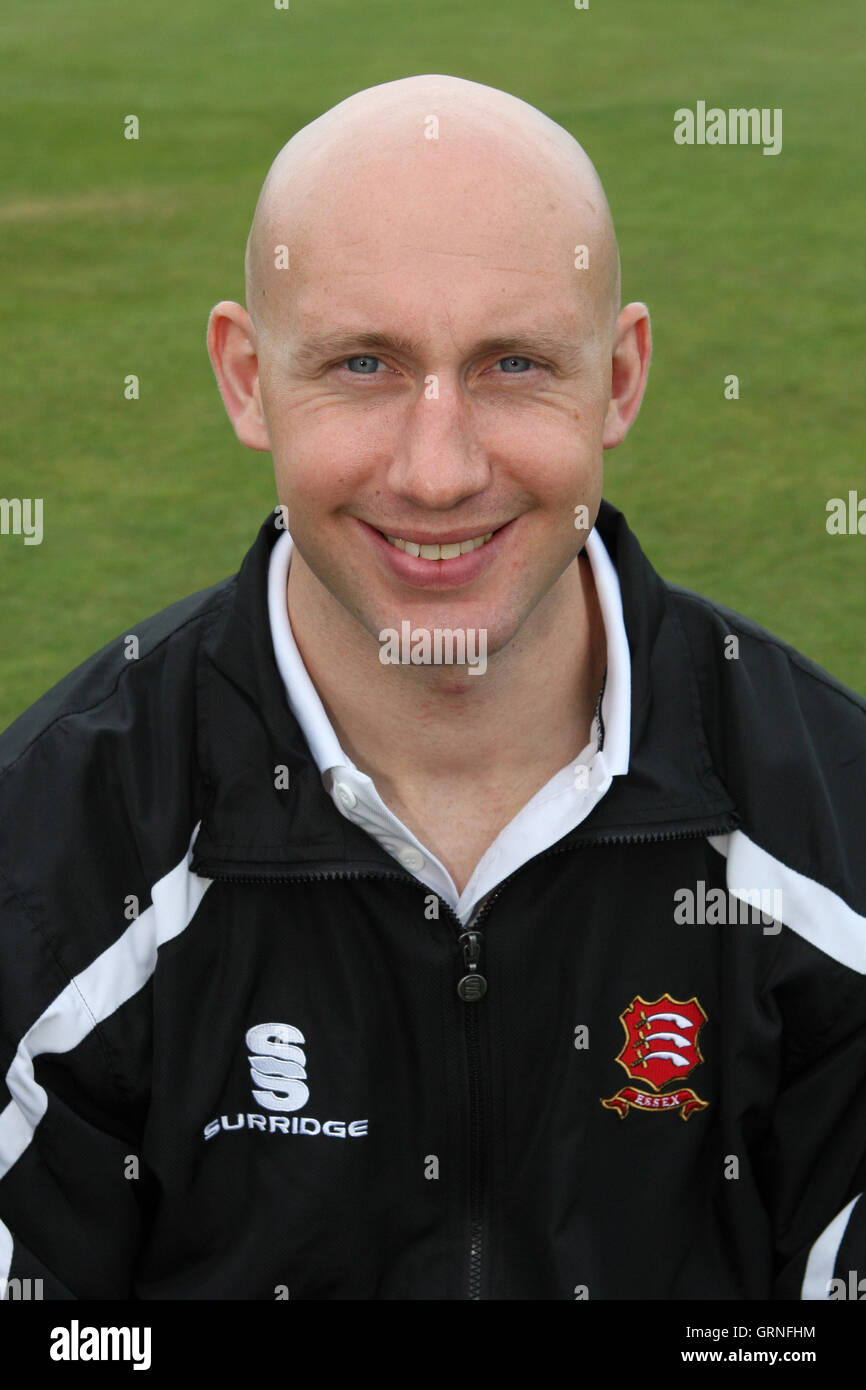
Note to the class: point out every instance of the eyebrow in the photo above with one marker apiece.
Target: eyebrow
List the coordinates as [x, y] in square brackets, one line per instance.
[532, 342]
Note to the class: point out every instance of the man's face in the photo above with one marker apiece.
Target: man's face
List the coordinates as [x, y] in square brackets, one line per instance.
[434, 368]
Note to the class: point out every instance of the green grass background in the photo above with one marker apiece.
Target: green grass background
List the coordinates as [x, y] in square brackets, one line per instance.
[112, 253]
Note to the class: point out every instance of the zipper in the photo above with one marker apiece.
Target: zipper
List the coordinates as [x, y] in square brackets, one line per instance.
[730, 822]
[477, 1129]
[471, 989]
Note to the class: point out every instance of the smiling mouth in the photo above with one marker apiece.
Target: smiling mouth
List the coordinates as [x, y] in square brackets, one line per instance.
[448, 551]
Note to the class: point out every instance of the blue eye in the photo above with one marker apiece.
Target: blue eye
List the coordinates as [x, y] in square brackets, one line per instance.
[367, 367]
[510, 361]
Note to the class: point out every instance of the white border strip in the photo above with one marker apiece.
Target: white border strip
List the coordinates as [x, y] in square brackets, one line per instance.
[97, 992]
[822, 1256]
[616, 701]
[5, 1258]
[808, 908]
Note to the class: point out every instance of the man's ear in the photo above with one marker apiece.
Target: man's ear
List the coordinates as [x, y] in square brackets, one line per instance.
[231, 345]
[632, 346]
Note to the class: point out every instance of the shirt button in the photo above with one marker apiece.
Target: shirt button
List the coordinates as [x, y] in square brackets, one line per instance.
[410, 857]
[345, 795]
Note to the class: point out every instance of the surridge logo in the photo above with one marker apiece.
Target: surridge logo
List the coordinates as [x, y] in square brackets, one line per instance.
[278, 1069]
[278, 1066]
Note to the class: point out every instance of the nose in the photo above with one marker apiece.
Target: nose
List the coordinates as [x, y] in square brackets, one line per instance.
[438, 460]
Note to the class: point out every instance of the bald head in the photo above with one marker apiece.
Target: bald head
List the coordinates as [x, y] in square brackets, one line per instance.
[441, 354]
[443, 141]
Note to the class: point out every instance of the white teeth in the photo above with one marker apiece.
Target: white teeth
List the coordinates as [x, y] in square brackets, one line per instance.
[439, 552]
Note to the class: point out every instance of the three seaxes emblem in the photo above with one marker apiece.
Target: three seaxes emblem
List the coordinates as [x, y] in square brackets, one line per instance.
[661, 1046]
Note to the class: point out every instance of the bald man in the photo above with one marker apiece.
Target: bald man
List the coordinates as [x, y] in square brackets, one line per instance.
[445, 906]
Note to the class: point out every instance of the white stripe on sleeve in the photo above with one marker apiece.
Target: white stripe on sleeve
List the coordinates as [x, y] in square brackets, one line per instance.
[96, 993]
[808, 908]
[822, 1256]
[5, 1257]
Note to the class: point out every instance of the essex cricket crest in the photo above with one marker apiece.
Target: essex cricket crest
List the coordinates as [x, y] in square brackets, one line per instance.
[660, 1048]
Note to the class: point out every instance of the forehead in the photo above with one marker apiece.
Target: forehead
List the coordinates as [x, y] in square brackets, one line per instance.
[437, 234]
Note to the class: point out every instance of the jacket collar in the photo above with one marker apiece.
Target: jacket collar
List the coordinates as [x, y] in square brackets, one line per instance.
[252, 825]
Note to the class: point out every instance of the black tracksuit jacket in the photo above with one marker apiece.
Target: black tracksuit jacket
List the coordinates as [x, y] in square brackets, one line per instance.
[234, 1062]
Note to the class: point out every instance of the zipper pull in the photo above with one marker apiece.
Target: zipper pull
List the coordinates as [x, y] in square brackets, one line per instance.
[472, 985]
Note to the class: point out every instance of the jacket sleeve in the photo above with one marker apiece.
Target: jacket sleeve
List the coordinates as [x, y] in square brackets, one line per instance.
[789, 742]
[70, 1187]
[96, 804]
[817, 1171]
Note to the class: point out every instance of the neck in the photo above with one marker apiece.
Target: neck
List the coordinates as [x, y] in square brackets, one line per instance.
[412, 728]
